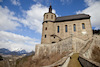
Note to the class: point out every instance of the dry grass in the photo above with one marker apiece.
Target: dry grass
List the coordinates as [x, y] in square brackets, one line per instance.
[74, 61]
[1, 63]
[96, 54]
[39, 61]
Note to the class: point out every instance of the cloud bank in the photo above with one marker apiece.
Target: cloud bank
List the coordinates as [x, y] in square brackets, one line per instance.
[7, 19]
[93, 10]
[15, 2]
[32, 19]
[14, 42]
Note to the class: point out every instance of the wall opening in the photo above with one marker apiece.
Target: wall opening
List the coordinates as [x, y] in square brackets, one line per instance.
[53, 42]
[51, 16]
[46, 28]
[66, 28]
[45, 36]
[58, 29]
[74, 26]
[47, 17]
[83, 26]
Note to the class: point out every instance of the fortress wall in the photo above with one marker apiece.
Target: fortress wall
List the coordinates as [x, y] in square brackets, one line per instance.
[47, 49]
[78, 44]
[67, 45]
[95, 42]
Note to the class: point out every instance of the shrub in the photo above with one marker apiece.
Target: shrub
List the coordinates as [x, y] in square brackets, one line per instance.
[1, 58]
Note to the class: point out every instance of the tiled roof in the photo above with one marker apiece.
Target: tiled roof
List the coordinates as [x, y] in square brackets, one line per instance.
[72, 17]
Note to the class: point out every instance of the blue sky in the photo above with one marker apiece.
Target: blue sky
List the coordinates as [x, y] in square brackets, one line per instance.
[21, 20]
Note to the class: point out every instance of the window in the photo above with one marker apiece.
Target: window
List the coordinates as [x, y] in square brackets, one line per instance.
[47, 17]
[58, 29]
[45, 36]
[83, 26]
[74, 27]
[53, 42]
[66, 28]
[46, 28]
[51, 16]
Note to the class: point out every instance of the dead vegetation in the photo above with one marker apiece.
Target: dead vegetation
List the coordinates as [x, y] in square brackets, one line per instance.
[96, 54]
[39, 61]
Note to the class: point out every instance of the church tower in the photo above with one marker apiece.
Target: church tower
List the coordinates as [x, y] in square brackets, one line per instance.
[48, 26]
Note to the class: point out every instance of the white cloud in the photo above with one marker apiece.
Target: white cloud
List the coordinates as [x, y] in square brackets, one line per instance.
[1, 0]
[93, 10]
[41, 1]
[90, 2]
[34, 17]
[13, 41]
[66, 1]
[15, 2]
[7, 19]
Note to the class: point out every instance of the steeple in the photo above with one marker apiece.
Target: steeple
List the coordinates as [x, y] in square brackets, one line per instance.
[50, 9]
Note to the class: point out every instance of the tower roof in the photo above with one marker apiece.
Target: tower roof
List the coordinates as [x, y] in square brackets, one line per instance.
[50, 9]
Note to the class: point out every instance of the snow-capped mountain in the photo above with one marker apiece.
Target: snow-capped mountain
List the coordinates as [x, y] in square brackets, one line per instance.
[8, 52]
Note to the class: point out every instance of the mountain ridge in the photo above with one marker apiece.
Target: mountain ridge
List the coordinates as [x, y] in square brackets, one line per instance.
[5, 51]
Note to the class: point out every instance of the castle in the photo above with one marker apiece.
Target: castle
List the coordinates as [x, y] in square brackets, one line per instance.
[56, 29]
[70, 35]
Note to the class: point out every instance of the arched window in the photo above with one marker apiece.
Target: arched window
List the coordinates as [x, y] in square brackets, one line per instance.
[74, 26]
[45, 36]
[47, 17]
[58, 29]
[83, 26]
[51, 16]
[66, 28]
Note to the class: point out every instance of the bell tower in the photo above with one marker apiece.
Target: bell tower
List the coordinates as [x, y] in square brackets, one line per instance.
[48, 26]
[49, 16]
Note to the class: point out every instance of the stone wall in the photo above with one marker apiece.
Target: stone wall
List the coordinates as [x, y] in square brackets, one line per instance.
[86, 52]
[79, 31]
[86, 63]
[70, 44]
[47, 49]
[52, 29]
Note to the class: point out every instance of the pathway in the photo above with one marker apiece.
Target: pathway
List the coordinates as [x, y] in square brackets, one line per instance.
[74, 61]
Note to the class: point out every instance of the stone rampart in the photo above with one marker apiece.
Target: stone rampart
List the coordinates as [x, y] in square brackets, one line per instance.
[70, 44]
[47, 49]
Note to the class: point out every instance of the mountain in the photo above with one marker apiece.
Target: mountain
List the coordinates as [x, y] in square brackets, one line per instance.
[4, 51]
[8, 52]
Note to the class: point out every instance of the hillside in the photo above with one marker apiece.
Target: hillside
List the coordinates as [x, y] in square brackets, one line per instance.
[38, 61]
[29, 61]
[90, 52]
